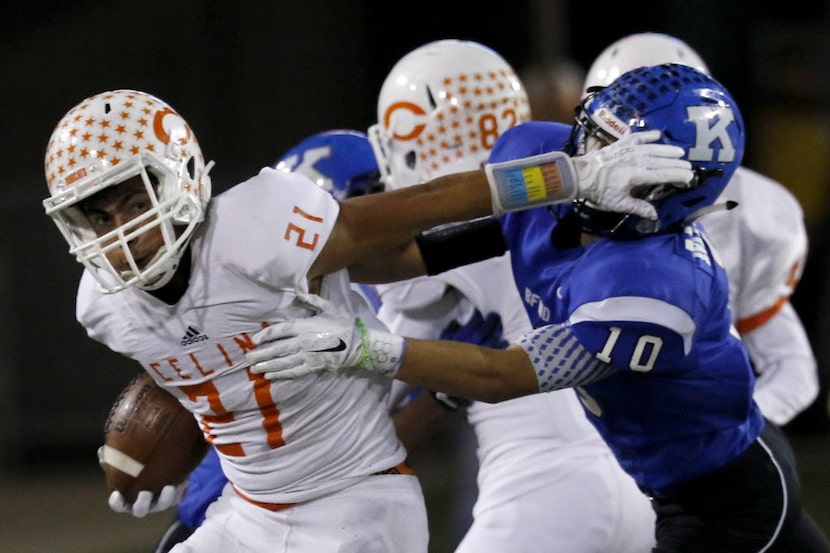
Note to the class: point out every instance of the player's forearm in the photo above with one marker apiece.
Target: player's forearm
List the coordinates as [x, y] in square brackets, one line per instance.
[384, 224]
[400, 215]
[468, 371]
[391, 266]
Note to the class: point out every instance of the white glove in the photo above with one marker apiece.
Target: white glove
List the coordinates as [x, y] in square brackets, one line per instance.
[146, 503]
[329, 340]
[608, 176]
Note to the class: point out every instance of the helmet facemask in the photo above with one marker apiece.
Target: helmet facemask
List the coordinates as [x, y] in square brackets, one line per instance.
[175, 216]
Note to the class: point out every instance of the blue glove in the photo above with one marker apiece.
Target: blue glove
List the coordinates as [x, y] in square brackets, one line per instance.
[483, 331]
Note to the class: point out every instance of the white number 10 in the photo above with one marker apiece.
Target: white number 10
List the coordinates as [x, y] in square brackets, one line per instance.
[644, 344]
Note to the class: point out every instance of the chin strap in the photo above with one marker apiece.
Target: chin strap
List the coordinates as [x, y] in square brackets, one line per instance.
[728, 205]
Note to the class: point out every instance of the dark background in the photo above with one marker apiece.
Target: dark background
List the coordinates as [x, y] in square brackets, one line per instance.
[254, 77]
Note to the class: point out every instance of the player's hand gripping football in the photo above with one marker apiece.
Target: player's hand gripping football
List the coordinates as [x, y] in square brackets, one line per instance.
[328, 340]
[607, 177]
[146, 502]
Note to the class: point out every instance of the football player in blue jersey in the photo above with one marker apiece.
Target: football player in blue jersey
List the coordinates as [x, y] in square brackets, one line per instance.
[762, 245]
[342, 163]
[630, 312]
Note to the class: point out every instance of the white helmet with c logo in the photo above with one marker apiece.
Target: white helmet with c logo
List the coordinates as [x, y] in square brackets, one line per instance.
[441, 109]
[105, 140]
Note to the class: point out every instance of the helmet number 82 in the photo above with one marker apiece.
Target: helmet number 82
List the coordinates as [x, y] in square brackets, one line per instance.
[644, 355]
[488, 126]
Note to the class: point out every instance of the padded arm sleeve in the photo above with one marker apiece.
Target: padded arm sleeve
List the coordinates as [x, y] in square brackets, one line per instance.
[449, 246]
[560, 360]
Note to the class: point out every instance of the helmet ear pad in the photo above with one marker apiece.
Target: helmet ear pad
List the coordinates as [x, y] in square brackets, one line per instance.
[693, 112]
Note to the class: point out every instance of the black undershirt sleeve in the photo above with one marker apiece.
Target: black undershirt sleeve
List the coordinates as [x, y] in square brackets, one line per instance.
[450, 246]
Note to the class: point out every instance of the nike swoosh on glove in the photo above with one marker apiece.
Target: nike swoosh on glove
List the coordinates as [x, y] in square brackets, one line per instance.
[329, 340]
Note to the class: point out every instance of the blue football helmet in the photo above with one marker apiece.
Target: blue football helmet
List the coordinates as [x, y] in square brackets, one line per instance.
[341, 162]
[693, 111]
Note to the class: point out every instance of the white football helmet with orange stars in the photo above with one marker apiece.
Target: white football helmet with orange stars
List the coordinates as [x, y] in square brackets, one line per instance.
[441, 109]
[105, 140]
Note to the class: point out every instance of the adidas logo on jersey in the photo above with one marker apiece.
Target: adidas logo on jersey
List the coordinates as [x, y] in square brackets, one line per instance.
[192, 336]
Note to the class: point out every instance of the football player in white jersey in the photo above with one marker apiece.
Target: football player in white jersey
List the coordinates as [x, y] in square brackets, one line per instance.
[762, 244]
[543, 469]
[314, 465]
[342, 163]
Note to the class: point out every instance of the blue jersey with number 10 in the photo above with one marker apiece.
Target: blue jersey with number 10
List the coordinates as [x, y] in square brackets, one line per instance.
[679, 403]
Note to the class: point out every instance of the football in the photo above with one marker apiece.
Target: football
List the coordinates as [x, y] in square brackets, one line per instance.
[150, 440]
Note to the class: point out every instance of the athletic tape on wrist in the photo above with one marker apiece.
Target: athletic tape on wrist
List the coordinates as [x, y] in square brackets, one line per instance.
[543, 179]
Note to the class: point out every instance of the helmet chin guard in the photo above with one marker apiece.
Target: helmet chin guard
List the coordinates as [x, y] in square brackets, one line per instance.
[106, 140]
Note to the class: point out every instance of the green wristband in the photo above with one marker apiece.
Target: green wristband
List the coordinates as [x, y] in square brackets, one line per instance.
[365, 357]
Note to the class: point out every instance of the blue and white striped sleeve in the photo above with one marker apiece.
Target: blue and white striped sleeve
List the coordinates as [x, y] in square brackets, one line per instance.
[559, 359]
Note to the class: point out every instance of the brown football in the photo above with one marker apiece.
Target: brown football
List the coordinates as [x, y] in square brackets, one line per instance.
[150, 440]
